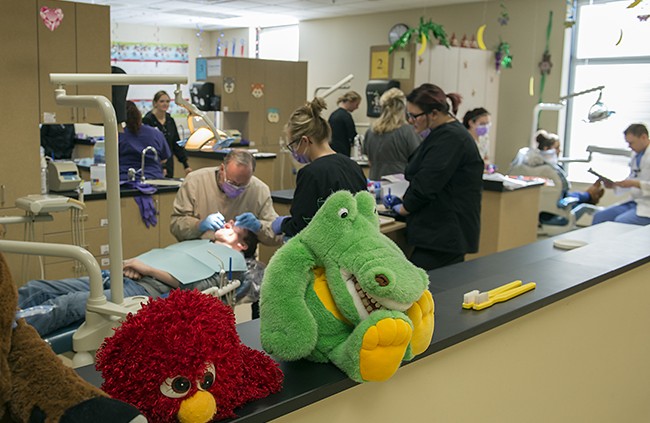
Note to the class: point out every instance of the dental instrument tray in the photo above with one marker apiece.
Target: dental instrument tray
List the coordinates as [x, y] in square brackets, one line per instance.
[37, 203]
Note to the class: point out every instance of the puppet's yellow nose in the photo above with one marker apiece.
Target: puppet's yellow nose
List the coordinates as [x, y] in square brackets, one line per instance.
[200, 408]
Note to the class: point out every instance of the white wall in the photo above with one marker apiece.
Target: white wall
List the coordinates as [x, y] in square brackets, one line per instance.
[337, 47]
[164, 35]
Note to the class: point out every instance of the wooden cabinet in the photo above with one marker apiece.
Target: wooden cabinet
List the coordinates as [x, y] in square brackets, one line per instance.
[56, 53]
[469, 72]
[93, 53]
[261, 119]
[19, 164]
[80, 44]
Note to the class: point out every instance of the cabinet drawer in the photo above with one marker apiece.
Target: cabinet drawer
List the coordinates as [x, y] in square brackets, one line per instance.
[96, 214]
[94, 240]
[62, 270]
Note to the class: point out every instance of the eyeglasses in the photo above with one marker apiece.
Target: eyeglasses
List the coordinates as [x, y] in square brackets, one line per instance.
[232, 183]
[411, 116]
[290, 146]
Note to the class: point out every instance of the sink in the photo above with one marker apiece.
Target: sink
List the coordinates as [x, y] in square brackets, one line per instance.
[164, 182]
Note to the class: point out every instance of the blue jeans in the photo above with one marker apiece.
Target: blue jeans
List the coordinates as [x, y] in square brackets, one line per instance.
[68, 296]
[623, 213]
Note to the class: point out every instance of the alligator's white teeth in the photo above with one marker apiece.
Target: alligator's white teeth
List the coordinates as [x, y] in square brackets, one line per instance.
[369, 309]
[365, 301]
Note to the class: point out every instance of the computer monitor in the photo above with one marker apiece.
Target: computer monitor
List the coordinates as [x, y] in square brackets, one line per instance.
[203, 97]
[374, 90]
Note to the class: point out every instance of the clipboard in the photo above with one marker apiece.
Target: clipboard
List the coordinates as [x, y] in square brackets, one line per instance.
[603, 178]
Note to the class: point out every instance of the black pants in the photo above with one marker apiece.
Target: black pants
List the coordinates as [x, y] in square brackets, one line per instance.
[255, 310]
[431, 259]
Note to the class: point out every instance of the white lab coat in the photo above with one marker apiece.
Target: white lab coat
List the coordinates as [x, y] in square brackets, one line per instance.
[641, 195]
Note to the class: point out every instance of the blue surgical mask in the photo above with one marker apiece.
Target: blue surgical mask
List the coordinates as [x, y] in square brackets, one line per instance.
[482, 130]
[425, 133]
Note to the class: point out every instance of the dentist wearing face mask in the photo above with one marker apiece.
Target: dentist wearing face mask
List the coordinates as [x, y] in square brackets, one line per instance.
[211, 196]
[442, 204]
[477, 122]
[326, 171]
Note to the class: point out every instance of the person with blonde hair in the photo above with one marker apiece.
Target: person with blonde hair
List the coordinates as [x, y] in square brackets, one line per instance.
[326, 171]
[390, 140]
[342, 124]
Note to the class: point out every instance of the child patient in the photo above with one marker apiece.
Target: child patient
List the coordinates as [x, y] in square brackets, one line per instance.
[65, 299]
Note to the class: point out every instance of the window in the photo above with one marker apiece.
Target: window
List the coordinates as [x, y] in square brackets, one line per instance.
[610, 48]
[279, 43]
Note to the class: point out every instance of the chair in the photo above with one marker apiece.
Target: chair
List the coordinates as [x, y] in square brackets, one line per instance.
[557, 215]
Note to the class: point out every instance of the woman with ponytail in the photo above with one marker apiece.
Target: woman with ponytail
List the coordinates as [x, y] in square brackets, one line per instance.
[325, 172]
[390, 140]
[136, 138]
[442, 204]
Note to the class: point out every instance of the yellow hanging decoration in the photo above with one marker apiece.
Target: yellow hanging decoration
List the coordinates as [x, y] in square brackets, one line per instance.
[634, 4]
[423, 44]
[479, 37]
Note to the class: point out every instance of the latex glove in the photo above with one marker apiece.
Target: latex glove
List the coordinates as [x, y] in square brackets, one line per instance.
[213, 223]
[249, 221]
[147, 209]
[391, 201]
[277, 224]
[397, 208]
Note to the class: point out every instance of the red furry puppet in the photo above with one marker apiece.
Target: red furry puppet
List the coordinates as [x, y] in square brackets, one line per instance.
[179, 359]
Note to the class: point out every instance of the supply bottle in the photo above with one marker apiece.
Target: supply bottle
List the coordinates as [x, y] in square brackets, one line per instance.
[44, 189]
[99, 153]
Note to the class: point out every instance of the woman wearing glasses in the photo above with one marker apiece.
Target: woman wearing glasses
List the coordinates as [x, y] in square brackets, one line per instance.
[442, 204]
[390, 140]
[326, 171]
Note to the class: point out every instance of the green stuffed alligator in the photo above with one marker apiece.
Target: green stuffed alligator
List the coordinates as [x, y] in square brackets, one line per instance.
[343, 292]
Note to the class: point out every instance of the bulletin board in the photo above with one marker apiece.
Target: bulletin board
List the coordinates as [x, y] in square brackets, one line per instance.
[138, 58]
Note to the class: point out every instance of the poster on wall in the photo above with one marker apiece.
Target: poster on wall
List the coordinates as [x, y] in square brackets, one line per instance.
[138, 58]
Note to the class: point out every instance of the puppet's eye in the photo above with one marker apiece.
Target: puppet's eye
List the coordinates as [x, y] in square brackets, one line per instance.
[176, 387]
[343, 213]
[206, 382]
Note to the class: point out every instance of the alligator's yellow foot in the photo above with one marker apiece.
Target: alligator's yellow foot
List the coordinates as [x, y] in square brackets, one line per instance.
[383, 348]
[421, 314]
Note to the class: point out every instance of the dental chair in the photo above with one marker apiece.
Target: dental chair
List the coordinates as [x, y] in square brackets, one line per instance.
[557, 214]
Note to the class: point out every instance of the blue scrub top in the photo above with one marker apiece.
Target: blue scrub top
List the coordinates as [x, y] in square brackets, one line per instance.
[130, 149]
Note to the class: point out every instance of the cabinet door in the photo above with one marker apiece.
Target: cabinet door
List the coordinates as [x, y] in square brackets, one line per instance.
[136, 237]
[56, 54]
[471, 81]
[93, 53]
[443, 68]
[19, 164]
[165, 205]
[23, 267]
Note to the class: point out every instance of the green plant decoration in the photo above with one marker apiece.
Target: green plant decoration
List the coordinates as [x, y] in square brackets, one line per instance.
[502, 56]
[426, 31]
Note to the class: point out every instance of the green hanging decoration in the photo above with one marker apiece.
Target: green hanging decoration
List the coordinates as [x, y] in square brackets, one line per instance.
[426, 31]
[502, 56]
[545, 65]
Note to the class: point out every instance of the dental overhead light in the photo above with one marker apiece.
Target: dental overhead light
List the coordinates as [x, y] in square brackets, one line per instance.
[597, 112]
[202, 130]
